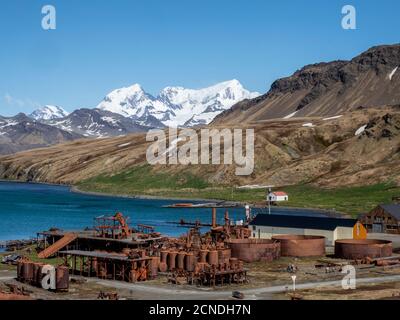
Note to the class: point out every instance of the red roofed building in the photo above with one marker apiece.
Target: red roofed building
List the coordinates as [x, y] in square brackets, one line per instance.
[278, 196]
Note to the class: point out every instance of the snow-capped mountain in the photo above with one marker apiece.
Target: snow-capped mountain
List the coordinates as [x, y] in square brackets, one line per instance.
[48, 112]
[96, 123]
[176, 106]
[123, 111]
[22, 133]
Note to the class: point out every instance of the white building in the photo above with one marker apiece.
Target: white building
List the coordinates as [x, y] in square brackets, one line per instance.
[265, 226]
[277, 196]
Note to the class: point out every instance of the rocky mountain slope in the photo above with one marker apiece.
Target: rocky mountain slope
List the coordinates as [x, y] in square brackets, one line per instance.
[359, 148]
[22, 132]
[95, 123]
[326, 89]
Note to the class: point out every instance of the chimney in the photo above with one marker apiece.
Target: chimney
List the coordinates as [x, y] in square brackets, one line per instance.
[214, 217]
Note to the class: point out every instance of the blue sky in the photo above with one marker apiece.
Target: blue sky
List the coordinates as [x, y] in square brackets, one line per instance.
[102, 45]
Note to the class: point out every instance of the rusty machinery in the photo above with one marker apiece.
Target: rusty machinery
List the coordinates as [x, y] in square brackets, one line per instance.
[131, 265]
[204, 259]
[115, 227]
[32, 273]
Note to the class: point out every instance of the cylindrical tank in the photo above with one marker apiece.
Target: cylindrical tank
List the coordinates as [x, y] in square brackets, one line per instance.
[155, 261]
[203, 256]
[224, 255]
[28, 272]
[181, 260]
[37, 273]
[20, 270]
[164, 255]
[301, 245]
[214, 218]
[361, 249]
[163, 267]
[172, 260]
[251, 250]
[40, 275]
[213, 257]
[190, 262]
[62, 278]
[233, 263]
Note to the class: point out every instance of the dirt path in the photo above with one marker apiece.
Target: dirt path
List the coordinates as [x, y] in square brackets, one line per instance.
[204, 294]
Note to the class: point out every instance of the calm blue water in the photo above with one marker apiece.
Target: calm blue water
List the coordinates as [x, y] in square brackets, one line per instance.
[28, 208]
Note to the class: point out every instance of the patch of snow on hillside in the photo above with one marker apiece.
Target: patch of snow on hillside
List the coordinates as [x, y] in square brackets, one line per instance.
[332, 118]
[392, 73]
[360, 130]
[124, 145]
[109, 120]
[308, 125]
[290, 115]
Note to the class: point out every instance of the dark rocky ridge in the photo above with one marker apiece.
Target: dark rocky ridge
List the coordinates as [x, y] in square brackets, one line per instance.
[21, 133]
[326, 89]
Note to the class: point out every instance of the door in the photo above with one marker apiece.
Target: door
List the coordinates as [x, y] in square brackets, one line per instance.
[377, 228]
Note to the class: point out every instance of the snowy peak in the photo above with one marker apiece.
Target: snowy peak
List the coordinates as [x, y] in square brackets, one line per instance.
[48, 112]
[127, 101]
[176, 106]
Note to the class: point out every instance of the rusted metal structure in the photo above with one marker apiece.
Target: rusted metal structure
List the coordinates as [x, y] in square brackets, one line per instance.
[58, 245]
[115, 227]
[132, 266]
[109, 232]
[31, 273]
[251, 250]
[112, 250]
[301, 245]
[362, 249]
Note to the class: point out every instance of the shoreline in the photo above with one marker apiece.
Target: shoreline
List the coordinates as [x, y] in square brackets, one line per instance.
[75, 189]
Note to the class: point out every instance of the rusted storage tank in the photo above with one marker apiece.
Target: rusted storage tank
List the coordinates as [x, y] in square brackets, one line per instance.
[203, 256]
[28, 272]
[20, 271]
[172, 260]
[189, 262]
[62, 278]
[224, 255]
[155, 262]
[37, 273]
[213, 257]
[251, 250]
[181, 260]
[163, 267]
[301, 245]
[361, 249]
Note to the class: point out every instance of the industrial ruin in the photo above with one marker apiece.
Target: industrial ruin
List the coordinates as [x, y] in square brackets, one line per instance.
[362, 249]
[301, 246]
[113, 250]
